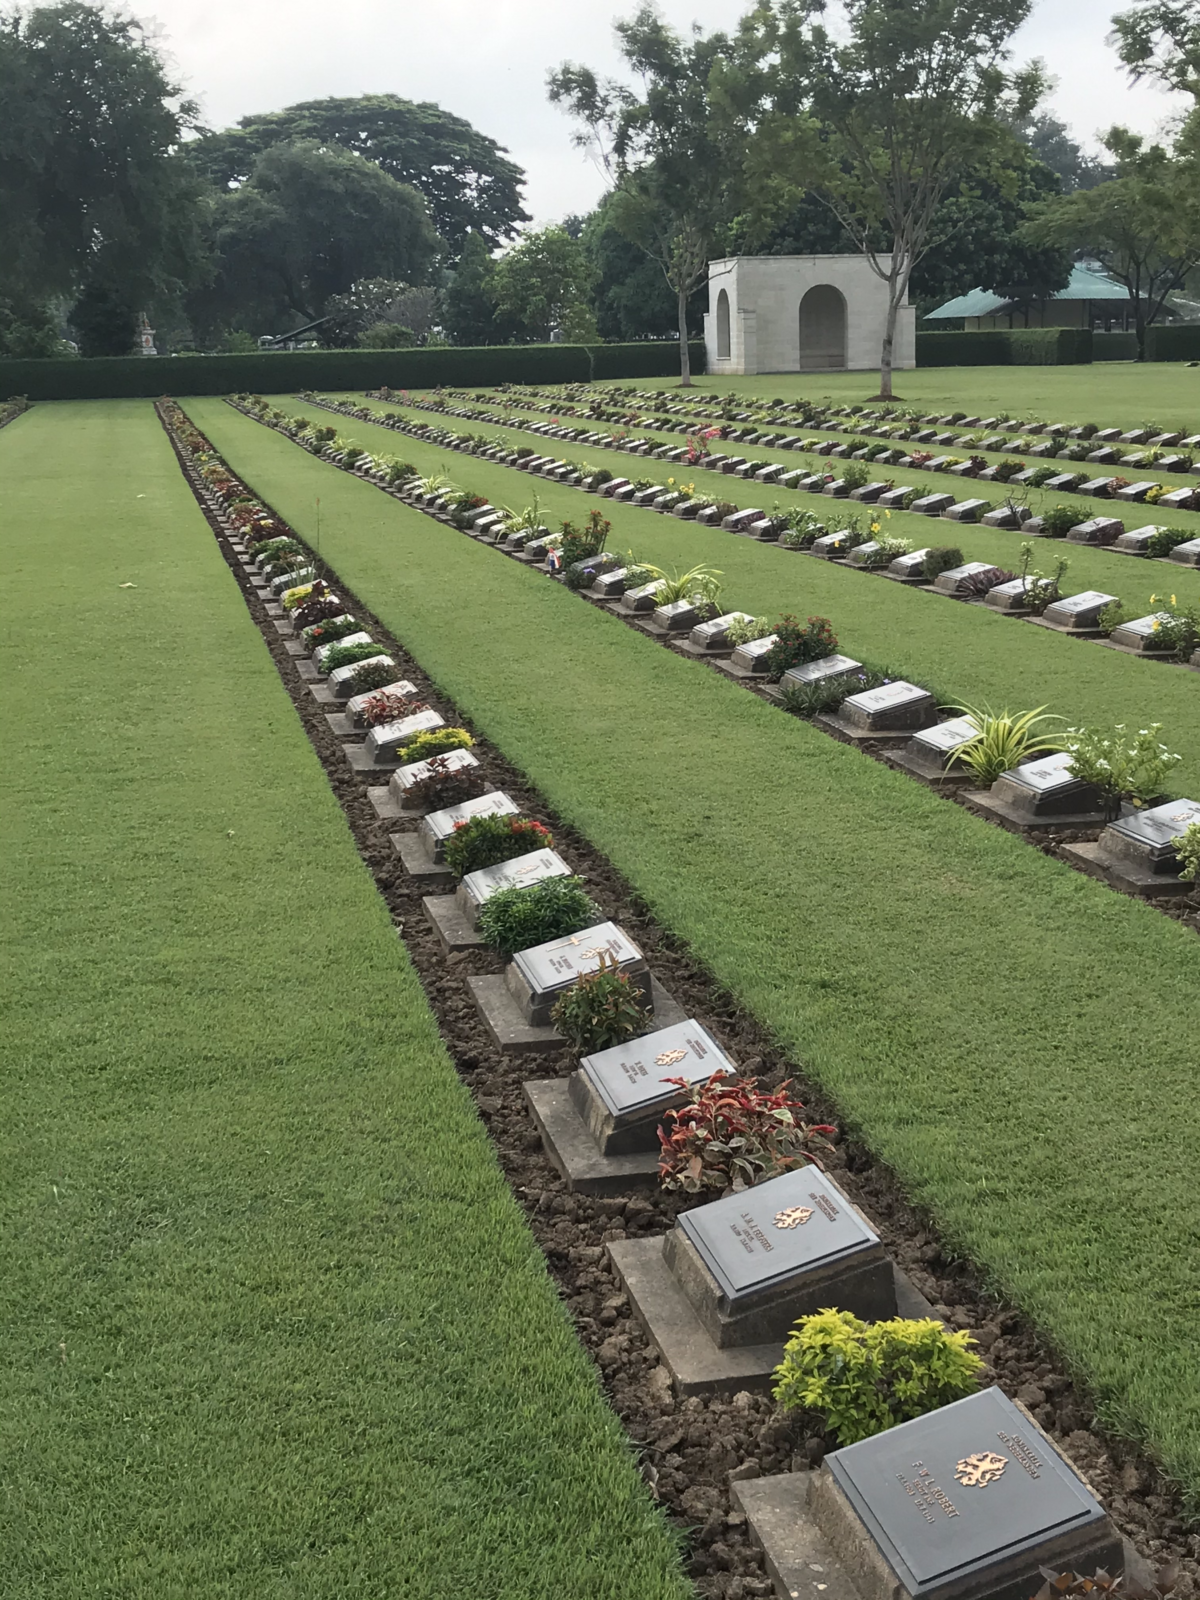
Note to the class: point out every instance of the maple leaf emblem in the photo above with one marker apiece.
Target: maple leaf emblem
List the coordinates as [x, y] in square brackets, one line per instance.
[977, 1471]
[669, 1058]
[793, 1217]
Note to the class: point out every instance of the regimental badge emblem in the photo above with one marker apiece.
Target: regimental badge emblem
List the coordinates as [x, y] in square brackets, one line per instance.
[793, 1217]
[670, 1058]
[977, 1471]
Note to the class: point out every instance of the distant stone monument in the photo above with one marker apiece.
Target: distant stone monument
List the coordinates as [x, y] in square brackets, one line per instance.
[145, 337]
[801, 314]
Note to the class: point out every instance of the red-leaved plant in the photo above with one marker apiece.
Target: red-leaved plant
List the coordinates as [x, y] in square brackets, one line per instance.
[384, 707]
[731, 1135]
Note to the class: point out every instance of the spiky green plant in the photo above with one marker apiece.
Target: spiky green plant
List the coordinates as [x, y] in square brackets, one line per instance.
[1005, 739]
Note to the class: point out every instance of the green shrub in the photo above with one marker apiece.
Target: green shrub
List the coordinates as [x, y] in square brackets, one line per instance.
[855, 474]
[1187, 847]
[519, 918]
[1122, 765]
[1059, 520]
[372, 675]
[1161, 544]
[940, 559]
[824, 697]
[327, 632]
[434, 742]
[486, 841]
[861, 1378]
[345, 655]
[601, 1009]
[797, 643]
[744, 631]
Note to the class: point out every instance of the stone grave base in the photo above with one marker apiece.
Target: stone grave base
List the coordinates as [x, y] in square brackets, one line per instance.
[1122, 873]
[945, 781]
[799, 1559]
[446, 916]
[505, 1021]
[835, 724]
[322, 694]
[357, 756]
[425, 872]
[699, 651]
[697, 1364]
[294, 647]
[283, 626]
[1132, 650]
[310, 675]
[1057, 627]
[742, 674]
[386, 808]
[985, 804]
[572, 1149]
[274, 609]
[340, 724]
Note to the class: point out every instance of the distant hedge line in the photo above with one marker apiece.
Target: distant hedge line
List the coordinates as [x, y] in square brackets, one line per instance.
[1005, 347]
[283, 372]
[1173, 344]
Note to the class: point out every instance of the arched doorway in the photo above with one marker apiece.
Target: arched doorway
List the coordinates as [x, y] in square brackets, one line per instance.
[722, 326]
[822, 329]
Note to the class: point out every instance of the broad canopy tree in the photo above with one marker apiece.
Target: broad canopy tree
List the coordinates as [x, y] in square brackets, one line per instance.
[98, 205]
[309, 222]
[469, 184]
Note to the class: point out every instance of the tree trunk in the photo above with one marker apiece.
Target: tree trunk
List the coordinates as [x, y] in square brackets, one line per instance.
[1139, 325]
[685, 365]
[889, 341]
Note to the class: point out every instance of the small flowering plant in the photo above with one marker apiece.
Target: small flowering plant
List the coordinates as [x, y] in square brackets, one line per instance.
[1122, 765]
[1176, 627]
[731, 1135]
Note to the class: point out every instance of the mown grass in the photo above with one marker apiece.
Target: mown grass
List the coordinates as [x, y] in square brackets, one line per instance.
[1088, 567]
[272, 1324]
[968, 653]
[1112, 394]
[1016, 1039]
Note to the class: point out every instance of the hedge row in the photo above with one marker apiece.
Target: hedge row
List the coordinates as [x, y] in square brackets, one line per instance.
[283, 372]
[1173, 344]
[1005, 347]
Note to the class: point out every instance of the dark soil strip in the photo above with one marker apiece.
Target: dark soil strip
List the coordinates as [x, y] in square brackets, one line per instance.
[689, 1449]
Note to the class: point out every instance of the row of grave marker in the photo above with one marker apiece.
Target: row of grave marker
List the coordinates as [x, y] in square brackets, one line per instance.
[1078, 614]
[966, 1501]
[1106, 532]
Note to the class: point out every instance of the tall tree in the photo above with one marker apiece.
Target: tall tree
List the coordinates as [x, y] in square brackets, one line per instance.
[630, 296]
[93, 192]
[897, 114]
[468, 181]
[308, 223]
[667, 150]
[543, 284]
[1143, 227]
[1160, 40]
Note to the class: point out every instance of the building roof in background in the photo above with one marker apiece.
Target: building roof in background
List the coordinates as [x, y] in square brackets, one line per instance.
[1087, 283]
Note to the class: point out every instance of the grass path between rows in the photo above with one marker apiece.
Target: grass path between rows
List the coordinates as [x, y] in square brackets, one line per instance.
[1017, 1040]
[272, 1326]
[966, 652]
[1128, 577]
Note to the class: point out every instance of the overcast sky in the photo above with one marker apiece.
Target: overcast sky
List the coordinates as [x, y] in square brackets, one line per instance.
[486, 60]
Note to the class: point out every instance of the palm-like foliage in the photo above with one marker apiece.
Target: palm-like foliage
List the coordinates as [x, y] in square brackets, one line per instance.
[1004, 740]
